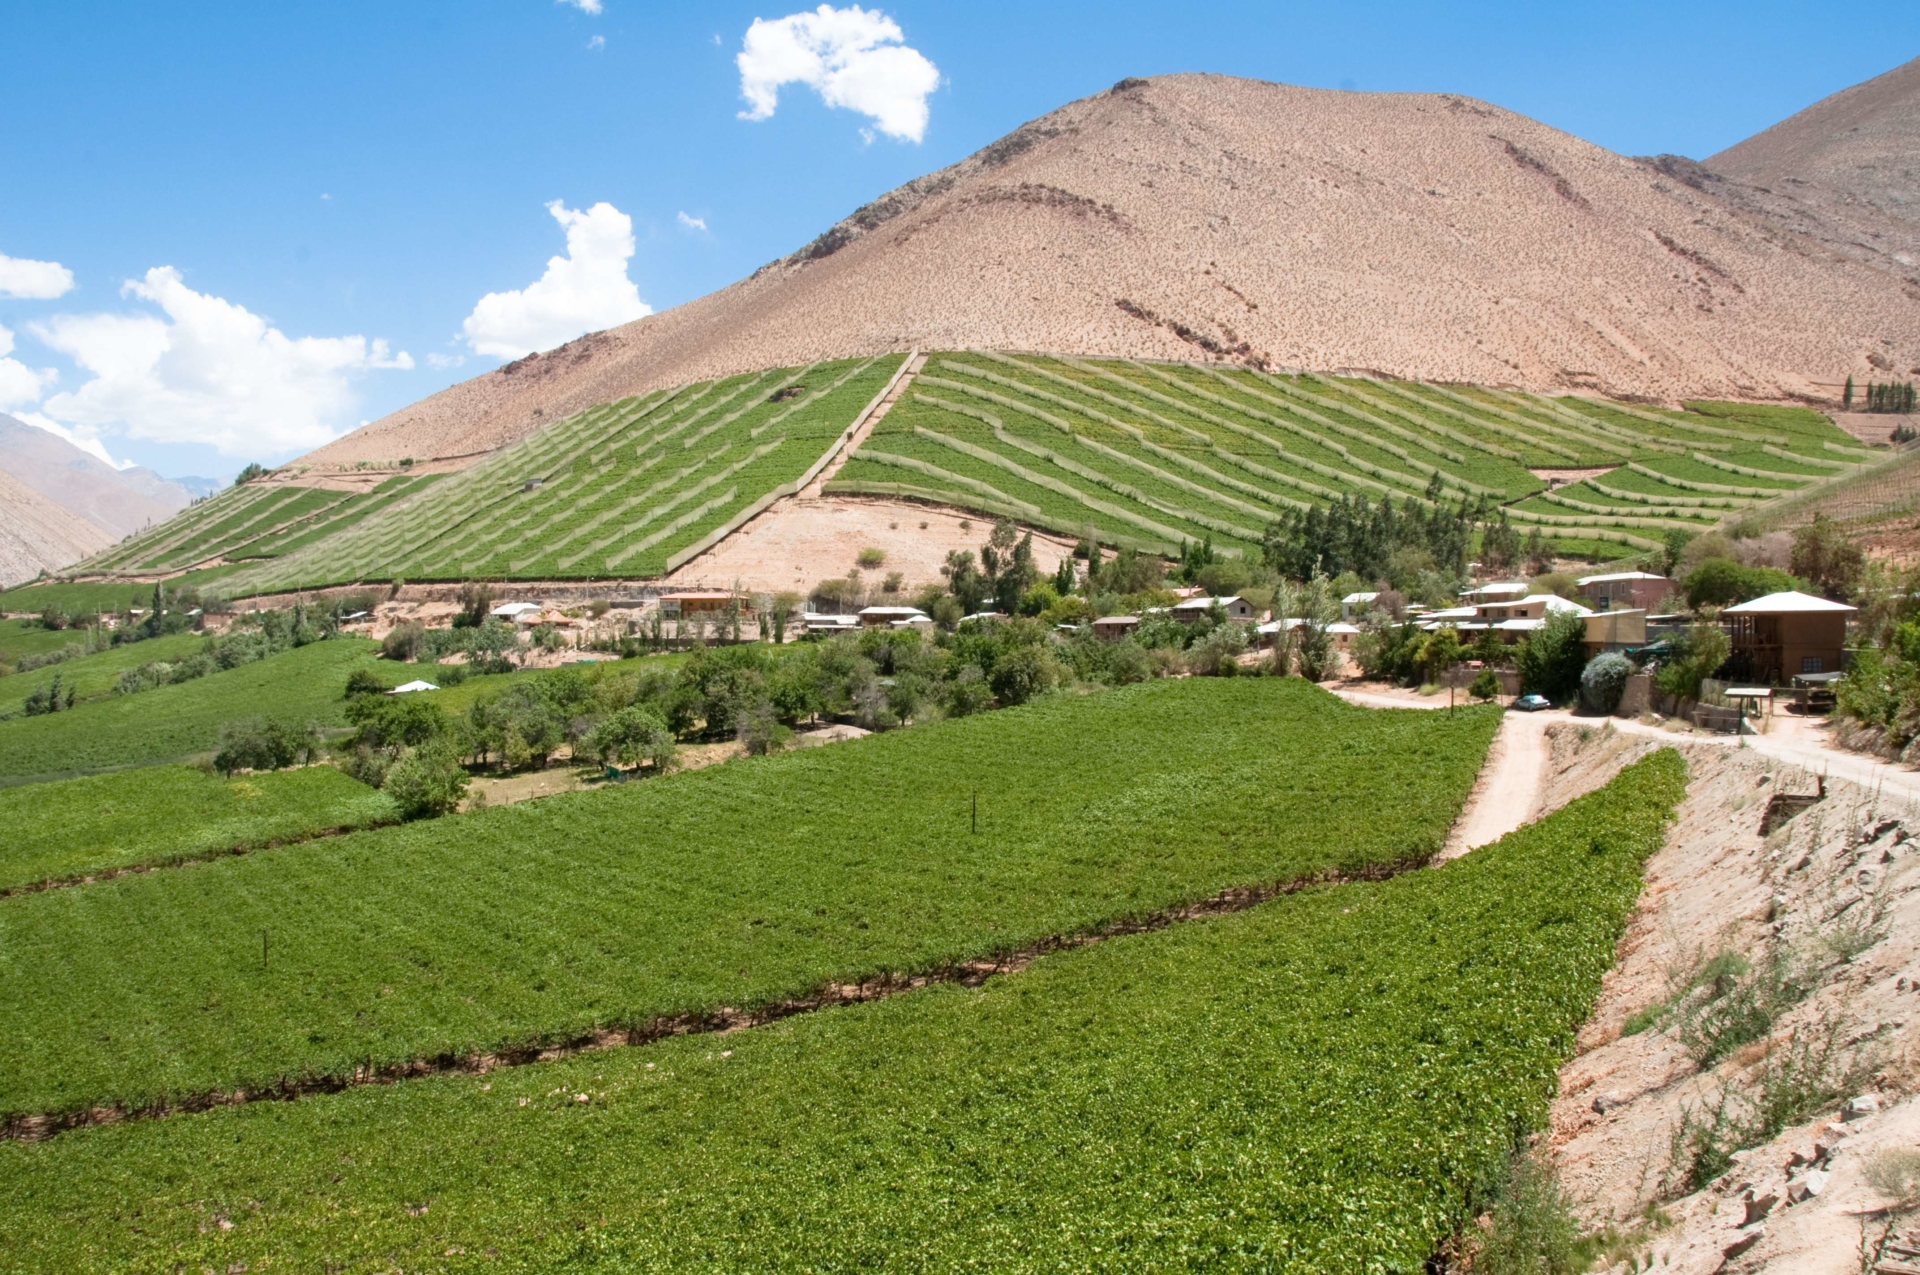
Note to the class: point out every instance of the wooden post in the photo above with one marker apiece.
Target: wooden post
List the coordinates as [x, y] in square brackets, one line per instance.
[263, 949]
[976, 813]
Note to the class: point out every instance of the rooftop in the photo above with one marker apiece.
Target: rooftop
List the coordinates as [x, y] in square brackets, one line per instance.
[1792, 602]
[1583, 581]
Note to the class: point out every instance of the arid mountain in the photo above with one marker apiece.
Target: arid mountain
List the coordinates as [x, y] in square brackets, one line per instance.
[1197, 216]
[38, 535]
[1861, 144]
[118, 501]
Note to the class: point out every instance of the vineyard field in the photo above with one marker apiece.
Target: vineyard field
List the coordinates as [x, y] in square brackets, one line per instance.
[739, 885]
[173, 723]
[1154, 455]
[168, 814]
[1320, 1083]
[257, 520]
[623, 489]
[93, 676]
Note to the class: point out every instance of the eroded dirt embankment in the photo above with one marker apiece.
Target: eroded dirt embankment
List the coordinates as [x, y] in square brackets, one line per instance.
[1767, 980]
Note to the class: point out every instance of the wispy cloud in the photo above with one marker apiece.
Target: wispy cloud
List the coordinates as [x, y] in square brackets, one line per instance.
[583, 291]
[854, 58]
[691, 223]
[598, 42]
[585, 6]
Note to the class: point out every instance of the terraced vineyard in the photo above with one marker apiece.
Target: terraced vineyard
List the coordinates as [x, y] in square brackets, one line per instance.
[1156, 454]
[258, 520]
[630, 488]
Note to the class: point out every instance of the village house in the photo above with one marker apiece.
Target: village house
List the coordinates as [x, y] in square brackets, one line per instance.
[1786, 634]
[689, 603]
[1641, 589]
[1114, 627]
[1193, 609]
[891, 617]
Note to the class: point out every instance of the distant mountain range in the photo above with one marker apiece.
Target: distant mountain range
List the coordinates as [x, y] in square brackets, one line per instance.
[101, 504]
[1419, 235]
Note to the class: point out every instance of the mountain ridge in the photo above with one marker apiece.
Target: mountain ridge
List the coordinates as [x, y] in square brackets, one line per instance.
[1427, 236]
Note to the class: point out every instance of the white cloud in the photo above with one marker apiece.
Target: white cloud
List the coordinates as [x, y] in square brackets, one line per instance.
[598, 42]
[442, 362]
[20, 385]
[581, 292]
[585, 6]
[207, 371]
[691, 223]
[33, 280]
[854, 58]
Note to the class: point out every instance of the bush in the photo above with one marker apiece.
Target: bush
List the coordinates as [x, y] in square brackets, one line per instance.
[1604, 680]
[261, 744]
[403, 642]
[364, 682]
[968, 693]
[1022, 674]
[870, 557]
[1698, 654]
[1486, 686]
[429, 781]
[759, 728]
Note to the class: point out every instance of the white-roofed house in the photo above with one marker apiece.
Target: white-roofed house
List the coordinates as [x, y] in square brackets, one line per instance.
[408, 688]
[1237, 608]
[891, 617]
[1787, 634]
[1494, 590]
[1353, 602]
[513, 612]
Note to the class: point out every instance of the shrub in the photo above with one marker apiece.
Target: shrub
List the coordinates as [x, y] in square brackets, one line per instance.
[1531, 1229]
[760, 729]
[1698, 654]
[968, 693]
[403, 642]
[1486, 686]
[870, 557]
[1604, 680]
[429, 781]
[364, 682]
[261, 744]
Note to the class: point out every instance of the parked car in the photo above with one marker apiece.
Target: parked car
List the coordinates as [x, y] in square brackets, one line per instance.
[1531, 703]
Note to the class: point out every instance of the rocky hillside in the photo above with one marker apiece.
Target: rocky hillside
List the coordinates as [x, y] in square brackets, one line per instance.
[1199, 216]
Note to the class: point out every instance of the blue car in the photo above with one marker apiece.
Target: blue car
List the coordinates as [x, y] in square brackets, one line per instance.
[1531, 703]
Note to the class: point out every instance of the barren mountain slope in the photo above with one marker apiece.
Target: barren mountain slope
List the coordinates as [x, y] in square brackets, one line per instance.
[119, 502]
[1862, 144]
[1195, 215]
[36, 534]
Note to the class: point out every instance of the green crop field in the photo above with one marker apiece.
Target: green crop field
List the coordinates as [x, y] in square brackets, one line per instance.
[1325, 1082]
[1157, 454]
[739, 885]
[259, 520]
[94, 676]
[169, 814]
[624, 489]
[26, 637]
[82, 599]
[176, 722]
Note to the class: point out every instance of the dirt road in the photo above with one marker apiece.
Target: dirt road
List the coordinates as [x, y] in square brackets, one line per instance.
[1512, 779]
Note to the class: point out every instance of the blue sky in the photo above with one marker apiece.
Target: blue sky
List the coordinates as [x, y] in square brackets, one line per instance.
[316, 172]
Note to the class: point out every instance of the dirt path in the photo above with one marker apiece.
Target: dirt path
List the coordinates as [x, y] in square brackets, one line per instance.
[864, 428]
[1512, 782]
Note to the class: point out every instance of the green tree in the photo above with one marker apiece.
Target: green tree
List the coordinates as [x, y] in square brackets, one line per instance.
[1722, 581]
[1021, 674]
[429, 781]
[1828, 558]
[261, 744]
[1551, 659]
[1486, 686]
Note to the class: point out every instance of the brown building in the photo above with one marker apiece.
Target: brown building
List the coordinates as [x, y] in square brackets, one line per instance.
[697, 602]
[1628, 589]
[1786, 634]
